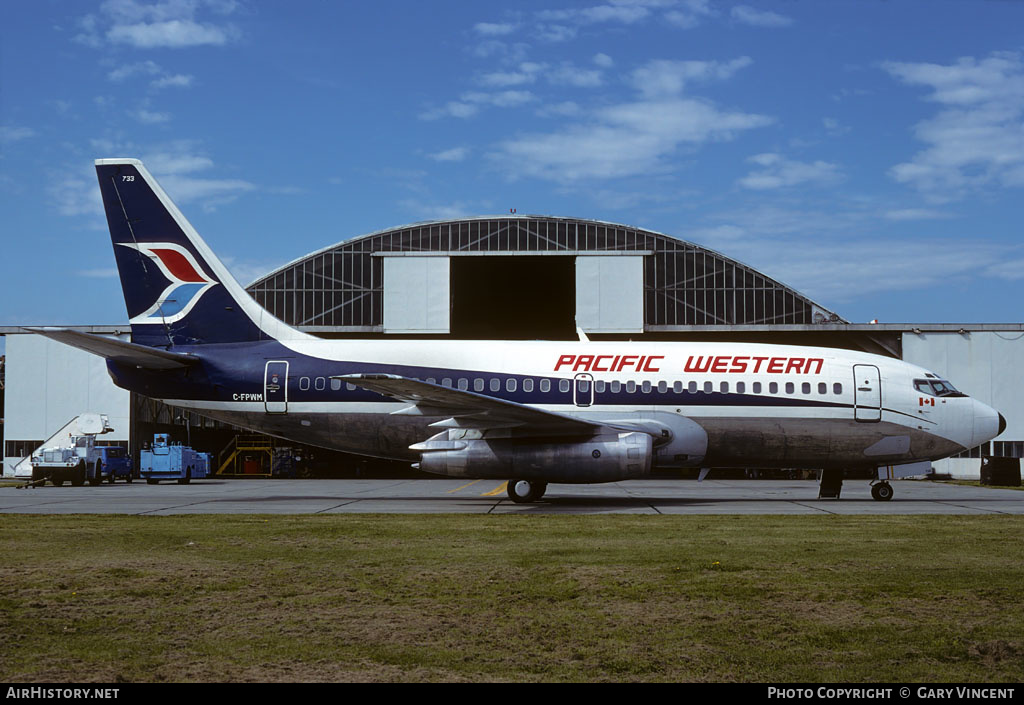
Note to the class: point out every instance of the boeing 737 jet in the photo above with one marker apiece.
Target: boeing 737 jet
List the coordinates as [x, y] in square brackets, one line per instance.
[528, 412]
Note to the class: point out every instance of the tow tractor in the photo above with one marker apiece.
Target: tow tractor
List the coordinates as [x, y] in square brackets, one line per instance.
[79, 460]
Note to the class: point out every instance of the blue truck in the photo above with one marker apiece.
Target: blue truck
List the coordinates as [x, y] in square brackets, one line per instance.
[172, 461]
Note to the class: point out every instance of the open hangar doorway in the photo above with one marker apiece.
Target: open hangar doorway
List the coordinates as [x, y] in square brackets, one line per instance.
[513, 297]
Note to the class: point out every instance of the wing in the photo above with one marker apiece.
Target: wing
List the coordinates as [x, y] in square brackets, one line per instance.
[118, 350]
[469, 410]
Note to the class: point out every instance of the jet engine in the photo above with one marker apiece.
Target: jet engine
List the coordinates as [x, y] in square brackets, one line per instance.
[607, 457]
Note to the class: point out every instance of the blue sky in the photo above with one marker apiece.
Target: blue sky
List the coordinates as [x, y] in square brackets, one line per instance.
[869, 154]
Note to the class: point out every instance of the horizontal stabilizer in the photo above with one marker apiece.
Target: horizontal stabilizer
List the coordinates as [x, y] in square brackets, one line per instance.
[118, 350]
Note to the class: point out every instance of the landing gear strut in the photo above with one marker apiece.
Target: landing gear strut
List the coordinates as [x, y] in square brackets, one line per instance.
[524, 491]
[881, 492]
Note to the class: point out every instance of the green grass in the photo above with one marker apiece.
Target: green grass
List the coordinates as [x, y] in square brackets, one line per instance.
[538, 598]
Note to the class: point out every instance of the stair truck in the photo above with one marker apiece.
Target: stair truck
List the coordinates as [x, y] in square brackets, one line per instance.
[172, 461]
[78, 459]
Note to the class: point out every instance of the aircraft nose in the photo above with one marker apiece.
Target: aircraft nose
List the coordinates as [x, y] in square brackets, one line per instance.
[988, 423]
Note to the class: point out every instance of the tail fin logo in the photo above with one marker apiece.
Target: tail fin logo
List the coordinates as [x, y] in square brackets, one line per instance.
[188, 281]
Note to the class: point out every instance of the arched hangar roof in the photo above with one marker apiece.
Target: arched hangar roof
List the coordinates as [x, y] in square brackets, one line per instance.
[341, 287]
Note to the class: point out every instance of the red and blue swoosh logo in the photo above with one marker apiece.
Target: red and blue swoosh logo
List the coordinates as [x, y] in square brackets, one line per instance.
[188, 281]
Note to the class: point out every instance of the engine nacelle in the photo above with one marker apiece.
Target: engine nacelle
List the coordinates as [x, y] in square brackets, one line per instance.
[605, 458]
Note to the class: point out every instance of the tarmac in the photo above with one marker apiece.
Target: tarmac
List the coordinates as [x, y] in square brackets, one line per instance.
[419, 496]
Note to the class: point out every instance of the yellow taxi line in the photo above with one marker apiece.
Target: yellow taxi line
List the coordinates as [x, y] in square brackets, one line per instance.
[497, 490]
[463, 487]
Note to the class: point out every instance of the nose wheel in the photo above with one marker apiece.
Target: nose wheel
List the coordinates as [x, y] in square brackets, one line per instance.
[525, 491]
[881, 492]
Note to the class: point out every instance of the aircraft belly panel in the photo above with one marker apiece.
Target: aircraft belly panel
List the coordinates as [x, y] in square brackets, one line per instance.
[816, 443]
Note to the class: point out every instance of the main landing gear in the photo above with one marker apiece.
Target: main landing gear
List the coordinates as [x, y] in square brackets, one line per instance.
[881, 491]
[524, 491]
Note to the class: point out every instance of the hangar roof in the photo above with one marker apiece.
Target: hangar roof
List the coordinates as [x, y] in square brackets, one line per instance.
[340, 287]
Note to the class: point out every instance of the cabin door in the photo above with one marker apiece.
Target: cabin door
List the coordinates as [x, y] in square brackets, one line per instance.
[867, 393]
[275, 387]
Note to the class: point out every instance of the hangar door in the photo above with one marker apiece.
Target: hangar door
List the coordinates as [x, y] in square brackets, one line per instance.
[416, 295]
[610, 293]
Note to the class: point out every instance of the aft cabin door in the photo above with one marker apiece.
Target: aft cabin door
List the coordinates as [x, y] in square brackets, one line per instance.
[867, 393]
[275, 388]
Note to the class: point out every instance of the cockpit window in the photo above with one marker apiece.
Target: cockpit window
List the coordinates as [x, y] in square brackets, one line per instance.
[937, 388]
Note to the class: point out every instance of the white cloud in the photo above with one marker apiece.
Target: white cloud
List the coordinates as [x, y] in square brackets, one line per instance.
[177, 81]
[778, 172]
[976, 140]
[604, 61]
[569, 75]
[915, 214]
[493, 29]
[623, 140]
[173, 33]
[168, 23]
[669, 78]
[691, 15]
[744, 14]
[10, 134]
[455, 154]
[469, 104]
[126, 71]
[105, 273]
[823, 253]
[150, 117]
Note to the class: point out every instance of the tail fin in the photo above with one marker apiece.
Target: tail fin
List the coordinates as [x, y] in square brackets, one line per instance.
[176, 290]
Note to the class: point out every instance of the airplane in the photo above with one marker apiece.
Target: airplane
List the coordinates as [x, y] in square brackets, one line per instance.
[530, 412]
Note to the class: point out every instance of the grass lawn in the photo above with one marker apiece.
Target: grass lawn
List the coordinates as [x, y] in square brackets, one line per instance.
[509, 598]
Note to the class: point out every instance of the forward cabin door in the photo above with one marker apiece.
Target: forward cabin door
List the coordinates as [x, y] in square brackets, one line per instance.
[583, 390]
[275, 387]
[867, 393]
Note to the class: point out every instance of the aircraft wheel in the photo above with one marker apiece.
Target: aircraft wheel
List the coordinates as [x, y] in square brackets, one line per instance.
[882, 492]
[525, 491]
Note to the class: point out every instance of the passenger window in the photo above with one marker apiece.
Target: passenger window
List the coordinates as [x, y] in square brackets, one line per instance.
[463, 383]
[510, 384]
[350, 387]
[692, 387]
[446, 382]
[677, 387]
[662, 387]
[320, 383]
[757, 387]
[584, 386]
[822, 388]
[495, 384]
[741, 387]
[646, 387]
[431, 380]
[545, 385]
[630, 387]
[528, 385]
[709, 387]
[599, 386]
[616, 387]
[837, 388]
[563, 385]
[304, 383]
[724, 387]
[773, 387]
[478, 385]
[335, 384]
[805, 387]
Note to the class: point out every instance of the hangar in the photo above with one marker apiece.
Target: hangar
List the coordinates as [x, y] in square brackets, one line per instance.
[515, 277]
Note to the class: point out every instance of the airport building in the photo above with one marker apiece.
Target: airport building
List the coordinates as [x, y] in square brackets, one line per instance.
[523, 278]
